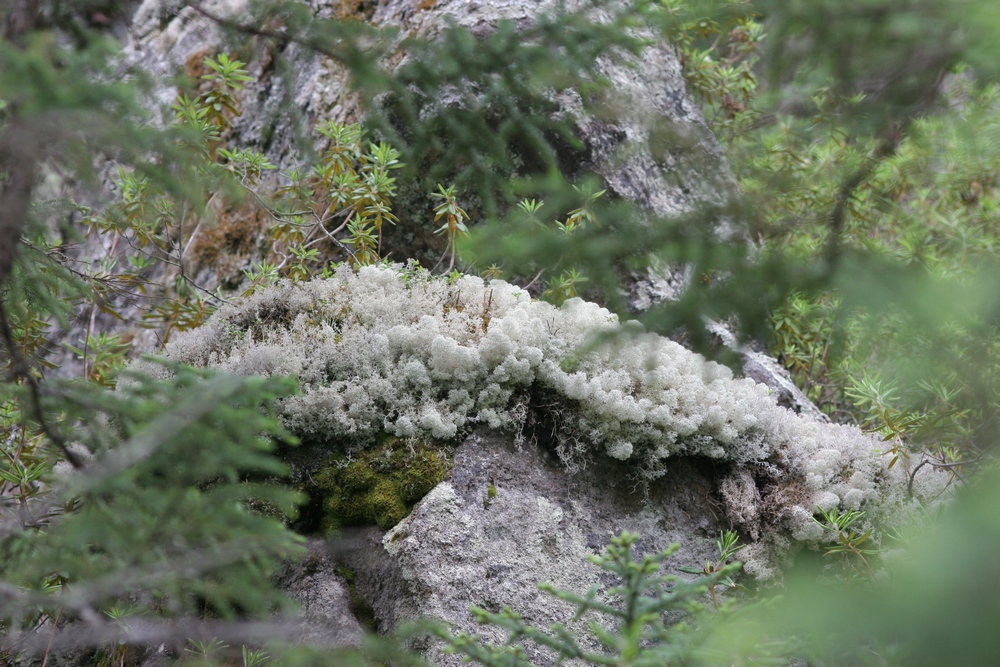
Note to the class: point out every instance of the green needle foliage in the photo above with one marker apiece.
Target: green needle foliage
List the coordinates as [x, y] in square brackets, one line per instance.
[454, 218]
[630, 630]
[139, 498]
[158, 512]
[848, 540]
[728, 544]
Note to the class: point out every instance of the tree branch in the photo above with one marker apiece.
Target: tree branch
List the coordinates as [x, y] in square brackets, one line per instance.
[21, 369]
[281, 37]
[17, 164]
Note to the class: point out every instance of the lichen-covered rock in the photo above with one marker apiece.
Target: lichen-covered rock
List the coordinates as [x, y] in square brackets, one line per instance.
[654, 150]
[462, 547]
[329, 617]
[394, 350]
[390, 352]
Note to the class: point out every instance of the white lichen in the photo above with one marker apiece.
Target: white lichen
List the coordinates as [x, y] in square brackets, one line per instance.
[393, 349]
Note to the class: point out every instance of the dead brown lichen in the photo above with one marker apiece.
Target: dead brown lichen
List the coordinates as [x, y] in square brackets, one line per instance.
[355, 9]
[227, 243]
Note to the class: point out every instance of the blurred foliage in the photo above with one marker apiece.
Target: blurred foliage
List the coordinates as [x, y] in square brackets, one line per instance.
[916, 362]
[934, 604]
[156, 517]
[869, 152]
[125, 512]
[627, 623]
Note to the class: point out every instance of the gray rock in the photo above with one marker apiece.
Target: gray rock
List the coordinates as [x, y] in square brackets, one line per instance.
[764, 369]
[460, 547]
[656, 152]
[328, 612]
[761, 368]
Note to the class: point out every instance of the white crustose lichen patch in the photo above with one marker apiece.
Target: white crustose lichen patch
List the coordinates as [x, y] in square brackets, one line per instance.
[393, 349]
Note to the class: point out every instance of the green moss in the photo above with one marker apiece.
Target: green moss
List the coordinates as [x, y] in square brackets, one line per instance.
[362, 611]
[380, 485]
[385, 505]
[358, 477]
[491, 494]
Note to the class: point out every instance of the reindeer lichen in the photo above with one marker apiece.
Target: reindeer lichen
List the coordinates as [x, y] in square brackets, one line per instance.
[393, 350]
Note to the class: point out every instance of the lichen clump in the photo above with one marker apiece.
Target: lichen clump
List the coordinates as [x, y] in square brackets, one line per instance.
[390, 349]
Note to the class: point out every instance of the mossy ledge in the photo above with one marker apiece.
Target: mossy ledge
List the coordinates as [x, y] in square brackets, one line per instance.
[394, 352]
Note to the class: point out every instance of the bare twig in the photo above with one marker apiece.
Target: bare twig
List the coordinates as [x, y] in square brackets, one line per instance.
[238, 27]
[535, 279]
[86, 340]
[18, 160]
[21, 369]
[52, 636]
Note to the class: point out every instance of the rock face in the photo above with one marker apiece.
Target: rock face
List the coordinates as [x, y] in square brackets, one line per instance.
[673, 161]
[656, 152]
[511, 517]
[330, 616]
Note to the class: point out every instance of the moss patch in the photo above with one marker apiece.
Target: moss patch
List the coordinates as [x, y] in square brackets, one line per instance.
[362, 611]
[380, 485]
[491, 494]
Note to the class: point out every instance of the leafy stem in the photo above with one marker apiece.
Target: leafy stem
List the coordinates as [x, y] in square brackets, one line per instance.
[849, 539]
[728, 545]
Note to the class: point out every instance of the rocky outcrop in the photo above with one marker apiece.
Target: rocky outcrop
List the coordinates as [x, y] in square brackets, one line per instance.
[649, 146]
[558, 447]
[512, 517]
[657, 152]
